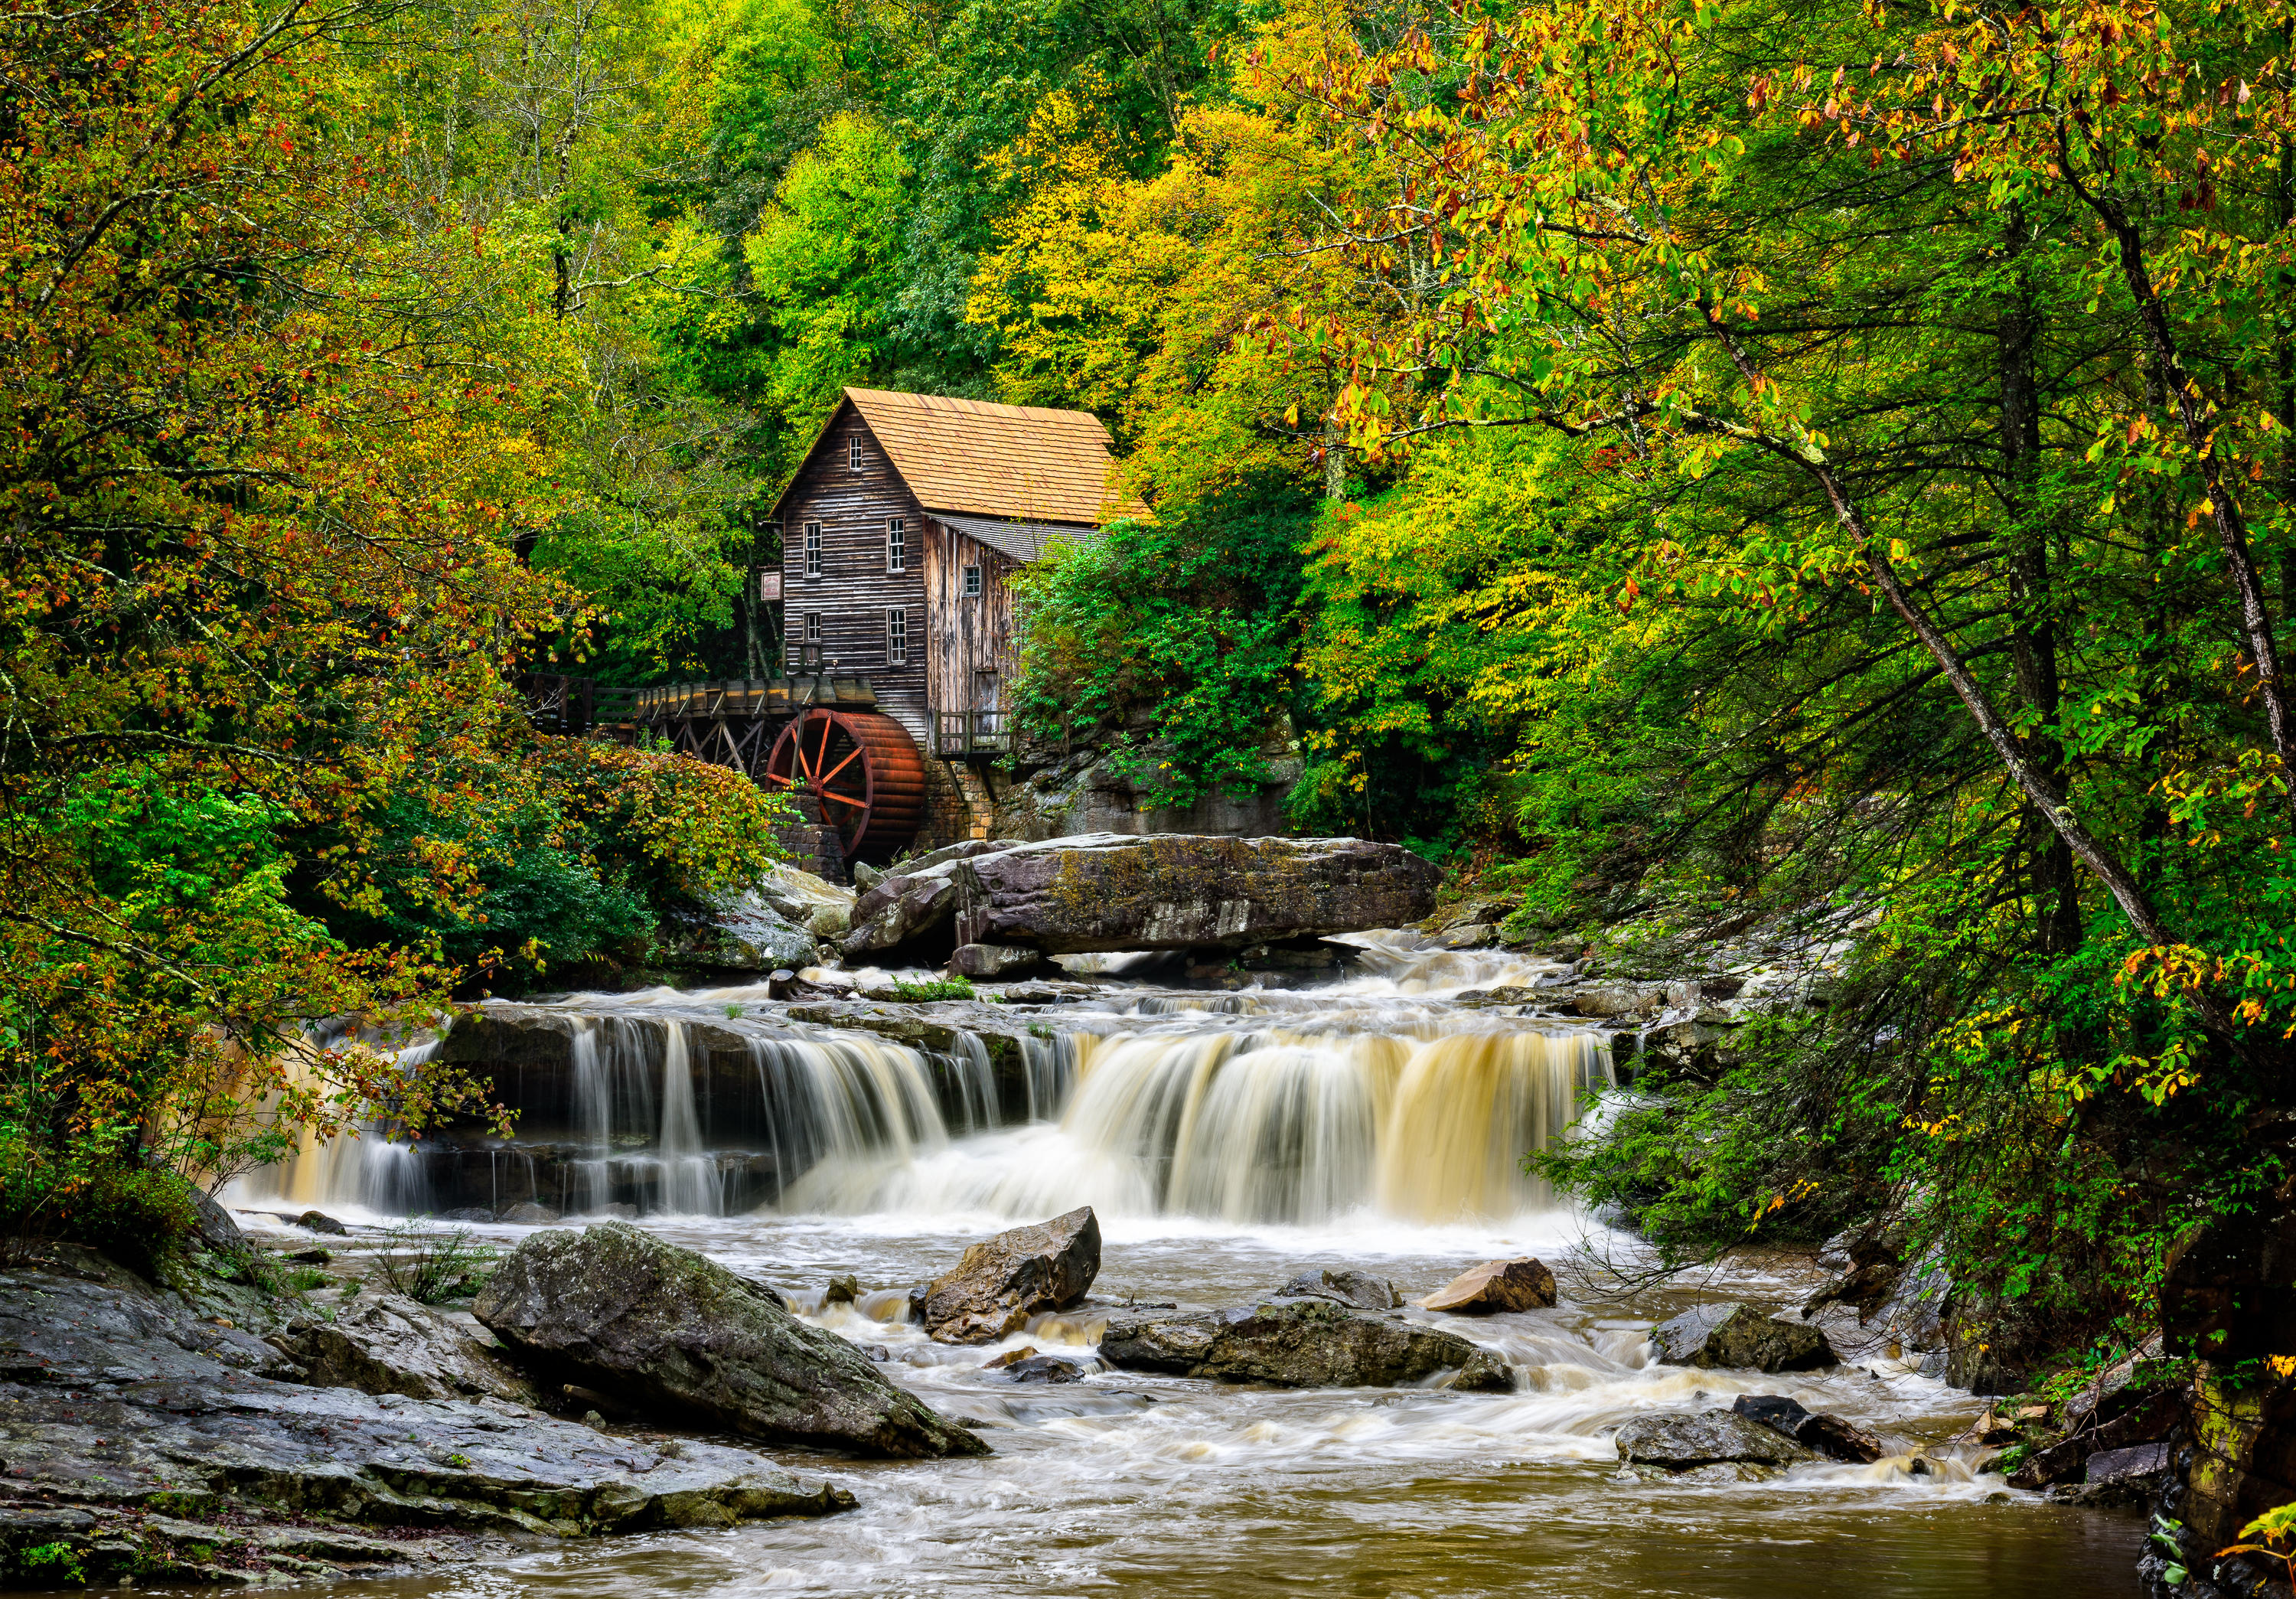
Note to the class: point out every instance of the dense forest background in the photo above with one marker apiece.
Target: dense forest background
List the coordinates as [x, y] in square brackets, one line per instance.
[1687, 468]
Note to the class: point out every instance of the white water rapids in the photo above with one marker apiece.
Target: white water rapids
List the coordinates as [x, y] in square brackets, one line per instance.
[1225, 1143]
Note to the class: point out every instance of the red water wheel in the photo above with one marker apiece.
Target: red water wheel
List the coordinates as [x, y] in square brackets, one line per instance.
[864, 769]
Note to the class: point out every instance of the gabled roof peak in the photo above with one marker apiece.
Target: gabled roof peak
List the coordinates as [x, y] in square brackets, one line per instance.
[1018, 462]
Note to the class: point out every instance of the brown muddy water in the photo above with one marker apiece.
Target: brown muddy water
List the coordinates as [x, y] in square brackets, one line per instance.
[1375, 1125]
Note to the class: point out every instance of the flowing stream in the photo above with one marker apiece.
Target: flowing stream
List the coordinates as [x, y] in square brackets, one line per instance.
[1225, 1142]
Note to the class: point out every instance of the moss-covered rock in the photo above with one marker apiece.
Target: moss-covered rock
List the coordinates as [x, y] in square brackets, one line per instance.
[672, 1331]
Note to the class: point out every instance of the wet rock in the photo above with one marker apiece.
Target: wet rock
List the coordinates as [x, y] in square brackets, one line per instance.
[994, 960]
[1360, 1288]
[1678, 1440]
[1820, 1432]
[1002, 1282]
[997, 1363]
[745, 933]
[529, 1215]
[822, 908]
[1608, 1000]
[2119, 1465]
[621, 1311]
[1045, 1368]
[389, 1344]
[1737, 1337]
[319, 1221]
[1298, 1343]
[214, 1227]
[910, 907]
[186, 1412]
[1114, 891]
[1495, 1285]
[841, 1290]
[908, 911]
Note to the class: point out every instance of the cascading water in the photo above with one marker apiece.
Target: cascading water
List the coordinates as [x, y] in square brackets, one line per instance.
[1227, 1140]
[1254, 1124]
[1283, 1107]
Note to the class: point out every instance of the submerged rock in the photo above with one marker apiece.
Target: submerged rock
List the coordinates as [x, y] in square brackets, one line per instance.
[1737, 1337]
[1004, 1280]
[319, 1221]
[621, 1311]
[389, 1344]
[1298, 1343]
[1495, 1285]
[1360, 1288]
[1679, 1440]
[1824, 1433]
[114, 1394]
[1045, 1368]
[1117, 891]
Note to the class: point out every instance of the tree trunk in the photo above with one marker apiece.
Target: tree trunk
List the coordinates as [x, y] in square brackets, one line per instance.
[2032, 626]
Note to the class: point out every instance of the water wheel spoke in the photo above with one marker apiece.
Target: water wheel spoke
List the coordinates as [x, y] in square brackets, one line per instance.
[841, 764]
[862, 805]
[821, 757]
[787, 782]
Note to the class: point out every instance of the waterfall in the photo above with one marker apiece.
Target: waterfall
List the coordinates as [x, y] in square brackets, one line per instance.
[1263, 1126]
[1246, 1109]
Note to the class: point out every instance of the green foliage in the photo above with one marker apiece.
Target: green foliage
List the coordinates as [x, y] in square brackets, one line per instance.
[59, 1559]
[1176, 638]
[430, 1267]
[947, 988]
[89, 1195]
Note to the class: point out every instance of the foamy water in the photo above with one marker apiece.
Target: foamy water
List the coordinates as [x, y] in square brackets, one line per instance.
[1227, 1141]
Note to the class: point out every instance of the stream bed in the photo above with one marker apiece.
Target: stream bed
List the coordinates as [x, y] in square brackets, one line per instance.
[1373, 1125]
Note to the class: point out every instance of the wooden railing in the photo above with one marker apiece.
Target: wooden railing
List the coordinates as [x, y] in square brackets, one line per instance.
[968, 735]
[748, 697]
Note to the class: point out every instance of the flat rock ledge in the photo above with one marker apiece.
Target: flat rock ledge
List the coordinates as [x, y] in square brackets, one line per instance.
[1300, 1343]
[140, 1440]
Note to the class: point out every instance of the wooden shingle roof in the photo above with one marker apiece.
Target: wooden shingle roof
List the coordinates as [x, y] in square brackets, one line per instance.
[1017, 462]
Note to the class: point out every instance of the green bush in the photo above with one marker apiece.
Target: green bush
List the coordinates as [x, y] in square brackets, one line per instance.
[135, 1216]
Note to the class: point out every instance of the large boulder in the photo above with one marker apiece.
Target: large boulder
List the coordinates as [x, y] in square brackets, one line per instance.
[822, 908]
[620, 1311]
[1816, 1430]
[1109, 891]
[1735, 1337]
[1360, 1288]
[386, 1343]
[1298, 1343]
[1005, 1280]
[1680, 1440]
[995, 959]
[1495, 1285]
[910, 908]
[746, 933]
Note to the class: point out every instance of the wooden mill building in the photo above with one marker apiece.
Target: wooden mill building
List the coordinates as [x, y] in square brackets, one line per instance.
[900, 535]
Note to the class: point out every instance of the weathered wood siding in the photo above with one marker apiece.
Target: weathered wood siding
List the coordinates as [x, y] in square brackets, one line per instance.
[974, 649]
[853, 591]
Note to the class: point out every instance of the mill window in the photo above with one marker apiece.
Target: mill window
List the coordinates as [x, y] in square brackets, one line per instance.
[813, 626]
[852, 452]
[972, 585]
[897, 637]
[896, 545]
[813, 549]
